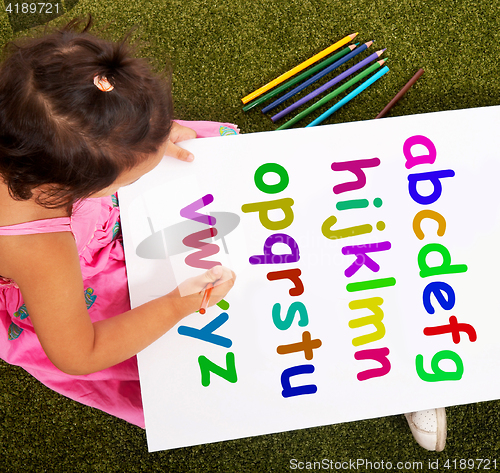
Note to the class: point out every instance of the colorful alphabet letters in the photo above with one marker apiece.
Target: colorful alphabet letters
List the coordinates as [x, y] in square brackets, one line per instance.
[367, 275]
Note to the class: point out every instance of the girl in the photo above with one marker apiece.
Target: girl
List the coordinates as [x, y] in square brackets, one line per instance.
[80, 118]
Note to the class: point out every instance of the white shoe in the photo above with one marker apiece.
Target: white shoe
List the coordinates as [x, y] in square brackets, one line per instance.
[429, 428]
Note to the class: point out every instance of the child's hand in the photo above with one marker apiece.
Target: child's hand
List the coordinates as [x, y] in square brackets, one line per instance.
[188, 295]
[221, 277]
[179, 133]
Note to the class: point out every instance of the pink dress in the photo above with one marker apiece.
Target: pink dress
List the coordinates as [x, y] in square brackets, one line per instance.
[96, 229]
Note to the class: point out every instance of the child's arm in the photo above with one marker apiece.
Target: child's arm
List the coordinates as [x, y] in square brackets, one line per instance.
[47, 269]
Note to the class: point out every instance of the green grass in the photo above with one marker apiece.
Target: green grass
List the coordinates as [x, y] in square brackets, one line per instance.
[221, 51]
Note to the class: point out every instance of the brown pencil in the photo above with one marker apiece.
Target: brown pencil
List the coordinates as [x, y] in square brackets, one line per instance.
[400, 94]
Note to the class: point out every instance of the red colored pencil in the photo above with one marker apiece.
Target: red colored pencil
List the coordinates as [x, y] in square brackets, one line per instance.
[206, 298]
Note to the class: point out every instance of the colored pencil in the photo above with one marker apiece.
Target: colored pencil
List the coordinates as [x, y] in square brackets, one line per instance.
[328, 85]
[299, 78]
[349, 97]
[299, 68]
[317, 77]
[398, 96]
[332, 95]
[206, 298]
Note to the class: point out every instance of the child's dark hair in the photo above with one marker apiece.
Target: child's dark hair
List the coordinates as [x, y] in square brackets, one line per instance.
[59, 130]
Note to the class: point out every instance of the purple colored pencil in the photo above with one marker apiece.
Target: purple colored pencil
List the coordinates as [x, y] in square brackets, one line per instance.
[317, 77]
[329, 84]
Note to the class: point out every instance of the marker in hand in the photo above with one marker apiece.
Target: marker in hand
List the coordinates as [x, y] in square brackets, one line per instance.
[206, 298]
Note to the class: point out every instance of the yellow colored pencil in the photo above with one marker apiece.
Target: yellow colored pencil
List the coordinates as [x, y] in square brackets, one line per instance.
[298, 68]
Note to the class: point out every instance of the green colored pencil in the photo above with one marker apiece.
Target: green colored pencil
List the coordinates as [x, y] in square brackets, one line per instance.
[331, 95]
[297, 79]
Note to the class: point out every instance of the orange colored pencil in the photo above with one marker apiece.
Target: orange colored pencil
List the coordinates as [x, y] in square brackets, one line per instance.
[298, 68]
[206, 298]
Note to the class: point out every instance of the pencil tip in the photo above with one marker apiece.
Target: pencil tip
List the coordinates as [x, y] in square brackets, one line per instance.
[369, 43]
[381, 51]
[352, 36]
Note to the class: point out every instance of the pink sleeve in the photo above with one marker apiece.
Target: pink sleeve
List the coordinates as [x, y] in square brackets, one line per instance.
[206, 129]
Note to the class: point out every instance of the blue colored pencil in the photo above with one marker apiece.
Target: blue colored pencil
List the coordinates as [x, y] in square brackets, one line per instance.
[317, 77]
[328, 85]
[296, 80]
[349, 97]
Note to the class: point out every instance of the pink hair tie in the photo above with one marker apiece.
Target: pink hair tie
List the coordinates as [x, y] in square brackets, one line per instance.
[102, 83]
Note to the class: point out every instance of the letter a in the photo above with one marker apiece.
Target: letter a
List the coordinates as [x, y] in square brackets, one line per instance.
[422, 159]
